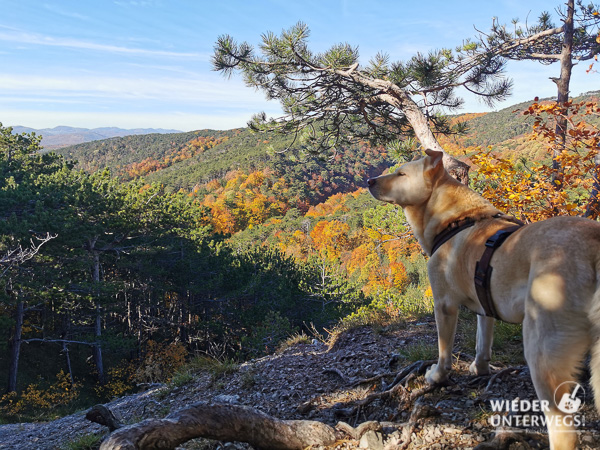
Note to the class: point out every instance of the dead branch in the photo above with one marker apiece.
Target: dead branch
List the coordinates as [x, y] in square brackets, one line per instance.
[371, 379]
[407, 374]
[419, 411]
[337, 372]
[500, 375]
[19, 255]
[225, 423]
[505, 437]
[102, 415]
[59, 341]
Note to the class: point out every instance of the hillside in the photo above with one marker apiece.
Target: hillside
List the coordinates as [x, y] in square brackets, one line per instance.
[180, 161]
[119, 152]
[189, 161]
[501, 127]
[62, 136]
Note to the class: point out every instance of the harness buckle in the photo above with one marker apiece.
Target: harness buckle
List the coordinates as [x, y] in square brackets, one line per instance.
[492, 241]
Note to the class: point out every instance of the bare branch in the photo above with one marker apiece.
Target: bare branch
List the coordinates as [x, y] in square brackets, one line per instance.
[19, 255]
[59, 341]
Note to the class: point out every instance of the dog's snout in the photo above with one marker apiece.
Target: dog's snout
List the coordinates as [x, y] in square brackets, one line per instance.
[371, 181]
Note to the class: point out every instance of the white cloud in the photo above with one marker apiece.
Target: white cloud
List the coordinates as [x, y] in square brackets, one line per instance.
[185, 90]
[23, 37]
[136, 3]
[66, 13]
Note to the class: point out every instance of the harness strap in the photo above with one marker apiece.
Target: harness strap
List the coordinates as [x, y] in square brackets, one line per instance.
[483, 270]
[453, 229]
[456, 227]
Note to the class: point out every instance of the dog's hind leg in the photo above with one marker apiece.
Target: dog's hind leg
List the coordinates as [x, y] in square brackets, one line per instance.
[554, 356]
[594, 316]
[483, 346]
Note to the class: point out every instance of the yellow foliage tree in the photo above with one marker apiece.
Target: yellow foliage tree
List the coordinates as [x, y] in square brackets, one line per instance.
[330, 238]
[533, 191]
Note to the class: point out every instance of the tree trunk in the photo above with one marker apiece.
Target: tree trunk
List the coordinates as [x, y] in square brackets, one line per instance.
[400, 99]
[15, 347]
[420, 125]
[68, 357]
[98, 322]
[562, 83]
[98, 346]
[224, 423]
[128, 303]
[183, 303]
[96, 265]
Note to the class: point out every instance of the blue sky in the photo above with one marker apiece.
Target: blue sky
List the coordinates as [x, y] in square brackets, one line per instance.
[146, 63]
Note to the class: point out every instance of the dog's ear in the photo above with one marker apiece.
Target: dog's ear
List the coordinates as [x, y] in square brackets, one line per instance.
[434, 162]
[436, 157]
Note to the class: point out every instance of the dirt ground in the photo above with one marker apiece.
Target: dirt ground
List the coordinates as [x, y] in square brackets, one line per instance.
[353, 380]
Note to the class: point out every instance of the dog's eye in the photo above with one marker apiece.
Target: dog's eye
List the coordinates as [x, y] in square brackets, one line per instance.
[400, 174]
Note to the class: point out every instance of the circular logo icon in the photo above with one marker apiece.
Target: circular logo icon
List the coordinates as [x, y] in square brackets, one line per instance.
[570, 402]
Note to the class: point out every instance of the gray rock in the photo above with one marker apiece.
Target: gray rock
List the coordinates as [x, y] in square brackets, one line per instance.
[371, 440]
[224, 398]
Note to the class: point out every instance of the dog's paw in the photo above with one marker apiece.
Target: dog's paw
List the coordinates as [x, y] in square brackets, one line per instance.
[436, 375]
[479, 368]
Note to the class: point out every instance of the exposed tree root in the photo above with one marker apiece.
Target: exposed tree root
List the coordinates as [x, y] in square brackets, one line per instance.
[405, 375]
[417, 368]
[500, 375]
[102, 415]
[372, 379]
[505, 437]
[397, 386]
[357, 433]
[337, 372]
[420, 410]
[221, 422]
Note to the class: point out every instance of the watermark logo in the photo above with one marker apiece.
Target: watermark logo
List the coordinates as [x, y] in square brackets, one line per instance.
[570, 403]
[519, 413]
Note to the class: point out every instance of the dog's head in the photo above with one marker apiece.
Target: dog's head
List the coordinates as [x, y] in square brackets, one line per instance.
[412, 183]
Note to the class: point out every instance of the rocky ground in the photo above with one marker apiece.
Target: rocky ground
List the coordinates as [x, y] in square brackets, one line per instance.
[353, 380]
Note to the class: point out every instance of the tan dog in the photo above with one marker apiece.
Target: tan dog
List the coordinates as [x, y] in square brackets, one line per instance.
[546, 275]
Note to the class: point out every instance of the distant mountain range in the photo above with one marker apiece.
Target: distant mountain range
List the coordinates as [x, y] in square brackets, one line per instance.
[63, 136]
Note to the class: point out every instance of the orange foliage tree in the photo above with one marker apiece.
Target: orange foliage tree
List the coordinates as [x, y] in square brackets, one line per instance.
[530, 190]
[330, 238]
[189, 150]
[246, 200]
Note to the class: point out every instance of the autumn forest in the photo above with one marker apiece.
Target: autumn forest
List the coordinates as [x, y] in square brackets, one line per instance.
[126, 258]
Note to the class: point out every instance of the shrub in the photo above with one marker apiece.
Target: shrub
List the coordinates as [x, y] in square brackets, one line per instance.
[160, 362]
[84, 442]
[120, 381]
[36, 401]
[267, 335]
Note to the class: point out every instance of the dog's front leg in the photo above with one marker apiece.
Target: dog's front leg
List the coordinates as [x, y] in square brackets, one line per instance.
[446, 315]
[483, 347]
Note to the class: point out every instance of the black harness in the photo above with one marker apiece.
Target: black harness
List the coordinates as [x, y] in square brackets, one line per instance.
[483, 269]
[452, 230]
